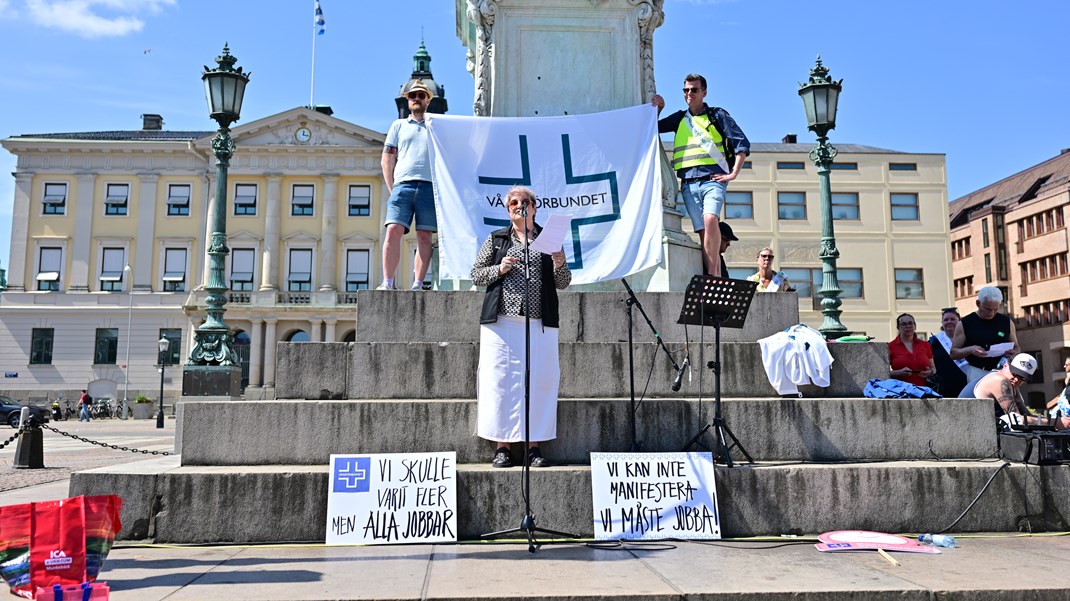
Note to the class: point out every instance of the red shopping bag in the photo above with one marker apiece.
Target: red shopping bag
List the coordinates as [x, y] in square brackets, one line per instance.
[96, 591]
[56, 542]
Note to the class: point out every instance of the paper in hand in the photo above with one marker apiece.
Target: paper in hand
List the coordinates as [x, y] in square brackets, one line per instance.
[553, 233]
[1000, 349]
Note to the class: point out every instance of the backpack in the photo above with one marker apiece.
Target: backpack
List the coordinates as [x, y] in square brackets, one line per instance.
[88, 400]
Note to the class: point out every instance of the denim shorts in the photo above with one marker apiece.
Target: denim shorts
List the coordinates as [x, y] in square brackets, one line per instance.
[703, 197]
[411, 197]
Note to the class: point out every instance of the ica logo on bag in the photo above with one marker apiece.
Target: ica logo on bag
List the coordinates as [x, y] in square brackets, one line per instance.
[58, 560]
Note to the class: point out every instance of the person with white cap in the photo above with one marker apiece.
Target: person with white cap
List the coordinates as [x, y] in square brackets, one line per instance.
[406, 167]
[1002, 387]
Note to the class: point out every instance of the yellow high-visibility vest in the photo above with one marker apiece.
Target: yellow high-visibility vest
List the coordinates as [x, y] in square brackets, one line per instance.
[687, 152]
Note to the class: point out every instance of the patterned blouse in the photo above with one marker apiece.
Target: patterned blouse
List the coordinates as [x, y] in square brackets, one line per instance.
[485, 273]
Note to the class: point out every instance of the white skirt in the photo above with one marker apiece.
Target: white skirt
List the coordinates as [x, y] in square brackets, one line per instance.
[500, 381]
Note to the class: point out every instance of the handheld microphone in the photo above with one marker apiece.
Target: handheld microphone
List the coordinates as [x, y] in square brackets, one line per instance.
[680, 373]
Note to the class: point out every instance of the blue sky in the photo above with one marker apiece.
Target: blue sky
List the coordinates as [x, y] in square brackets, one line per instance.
[983, 82]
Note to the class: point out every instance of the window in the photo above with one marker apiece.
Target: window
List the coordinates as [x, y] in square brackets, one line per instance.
[845, 166]
[902, 166]
[174, 350]
[360, 201]
[807, 280]
[178, 199]
[357, 270]
[300, 278]
[909, 284]
[241, 269]
[988, 268]
[904, 206]
[964, 287]
[55, 200]
[49, 265]
[984, 232]
[245, 199]
[740, 273]
[41, 346]
[747, 165]
[791, 205]
[111, 269]
[117, 199]
[739, 205]
[107, 343]
[303, 198]
[845, 205]
[790, 165]
[174, 270]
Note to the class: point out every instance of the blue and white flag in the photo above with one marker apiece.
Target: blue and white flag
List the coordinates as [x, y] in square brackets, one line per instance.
[320, 24]
[602, 170]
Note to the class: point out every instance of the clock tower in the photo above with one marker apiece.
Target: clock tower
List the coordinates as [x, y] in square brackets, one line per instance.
[421, 70]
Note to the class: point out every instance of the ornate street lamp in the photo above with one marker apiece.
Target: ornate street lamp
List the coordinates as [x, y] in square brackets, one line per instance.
[820, 97]
[224, 87]
[128, 273]
[164, 345]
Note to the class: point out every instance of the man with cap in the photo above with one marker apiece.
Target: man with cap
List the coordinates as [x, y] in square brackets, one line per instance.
[407, 171]
[1002, 387]
[727, 238]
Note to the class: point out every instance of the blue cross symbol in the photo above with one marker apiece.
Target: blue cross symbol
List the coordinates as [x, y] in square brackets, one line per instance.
[351, 474]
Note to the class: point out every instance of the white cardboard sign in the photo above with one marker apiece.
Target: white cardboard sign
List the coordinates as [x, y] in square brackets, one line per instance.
[392, 498]
[654, 496]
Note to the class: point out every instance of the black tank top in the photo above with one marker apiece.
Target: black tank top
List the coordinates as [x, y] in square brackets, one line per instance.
[985, 332]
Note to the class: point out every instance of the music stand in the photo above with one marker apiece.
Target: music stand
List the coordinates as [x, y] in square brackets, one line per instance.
[717, 302]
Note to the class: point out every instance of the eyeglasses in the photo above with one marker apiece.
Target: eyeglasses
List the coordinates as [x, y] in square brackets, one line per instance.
[516, 201]
[765, 256]
[692, 90]
[417, 95]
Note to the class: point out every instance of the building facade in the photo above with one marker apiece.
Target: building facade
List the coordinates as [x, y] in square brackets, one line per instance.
[1012, 234]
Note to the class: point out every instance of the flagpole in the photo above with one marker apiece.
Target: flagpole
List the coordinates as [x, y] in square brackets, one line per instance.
[312, 85]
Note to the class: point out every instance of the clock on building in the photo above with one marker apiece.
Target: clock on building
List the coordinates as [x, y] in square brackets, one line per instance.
[303, 134]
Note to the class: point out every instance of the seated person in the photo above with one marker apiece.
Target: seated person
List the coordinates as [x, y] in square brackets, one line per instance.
[769, 280]
[1061, 403]
[1002, 387]
[950, 372]
[910, 357]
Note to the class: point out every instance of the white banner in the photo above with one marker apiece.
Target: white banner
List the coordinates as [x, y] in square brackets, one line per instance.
[382, 499]
[602, 170]
[654, 496]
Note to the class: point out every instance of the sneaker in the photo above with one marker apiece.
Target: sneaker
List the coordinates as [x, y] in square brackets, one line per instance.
[535, 458]
[417, 286]
[502, 458]
[383, 286]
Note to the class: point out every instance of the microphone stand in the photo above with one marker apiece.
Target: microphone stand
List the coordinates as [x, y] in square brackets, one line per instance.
[527, 523]
[633, 406]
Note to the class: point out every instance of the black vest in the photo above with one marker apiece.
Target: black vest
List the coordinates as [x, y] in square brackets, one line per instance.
[503, 240]
[985, 332]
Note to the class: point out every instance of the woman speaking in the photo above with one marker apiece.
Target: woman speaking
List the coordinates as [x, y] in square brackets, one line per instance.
[500, 267]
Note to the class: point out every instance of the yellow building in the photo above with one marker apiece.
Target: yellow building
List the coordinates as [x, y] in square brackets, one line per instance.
[890, 219]
[1012, 234]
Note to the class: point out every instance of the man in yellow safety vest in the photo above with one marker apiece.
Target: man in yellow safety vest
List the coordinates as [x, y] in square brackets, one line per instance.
[708, 152]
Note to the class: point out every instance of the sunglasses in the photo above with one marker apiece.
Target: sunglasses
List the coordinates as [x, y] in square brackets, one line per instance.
[765, 256]
[417, 95]
[517, 202]
[692, 90]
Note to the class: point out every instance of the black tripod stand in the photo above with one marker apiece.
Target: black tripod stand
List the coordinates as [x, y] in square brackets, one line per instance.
[633, 406]
[527, 523]
[717, 302]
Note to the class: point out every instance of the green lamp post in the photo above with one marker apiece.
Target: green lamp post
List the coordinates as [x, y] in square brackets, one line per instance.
[820, 96]
[225, 87]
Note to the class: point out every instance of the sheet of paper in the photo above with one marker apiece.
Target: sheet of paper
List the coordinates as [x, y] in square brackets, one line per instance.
[775, 283]
[553, 234]
[998, 350]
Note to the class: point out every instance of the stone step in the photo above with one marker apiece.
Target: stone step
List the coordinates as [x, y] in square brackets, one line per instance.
[307, 432]
[402, 316]
[171, 503]
[447, 370]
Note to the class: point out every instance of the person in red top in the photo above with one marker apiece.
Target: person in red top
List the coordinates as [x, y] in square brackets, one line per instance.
[910, 357]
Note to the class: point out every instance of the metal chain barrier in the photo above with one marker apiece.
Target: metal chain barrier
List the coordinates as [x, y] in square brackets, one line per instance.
[96, 442]
[22, 428]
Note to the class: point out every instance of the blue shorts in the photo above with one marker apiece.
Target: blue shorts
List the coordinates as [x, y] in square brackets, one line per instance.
[411, 197]
[703, 197]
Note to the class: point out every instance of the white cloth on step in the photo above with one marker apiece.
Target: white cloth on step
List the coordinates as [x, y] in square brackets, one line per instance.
[796, 356]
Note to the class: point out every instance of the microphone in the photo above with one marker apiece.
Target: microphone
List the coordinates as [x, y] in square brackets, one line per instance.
[680, 373]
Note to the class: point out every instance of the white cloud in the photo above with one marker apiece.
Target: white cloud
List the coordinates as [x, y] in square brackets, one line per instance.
[93, 18]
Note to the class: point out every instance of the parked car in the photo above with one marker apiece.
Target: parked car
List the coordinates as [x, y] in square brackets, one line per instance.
[10, 411]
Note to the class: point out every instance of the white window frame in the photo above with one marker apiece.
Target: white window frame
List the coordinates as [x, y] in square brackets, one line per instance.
[54, 199]
[302, 200]
[179, 200]
[114, 198]
[351, 275]
[111, 280]
[300, 276]
[52, 271]
[252, 268]
[367, 206]
[173, 279]
[244, 199]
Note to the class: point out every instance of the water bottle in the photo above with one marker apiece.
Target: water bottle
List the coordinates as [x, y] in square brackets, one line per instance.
[939, 540]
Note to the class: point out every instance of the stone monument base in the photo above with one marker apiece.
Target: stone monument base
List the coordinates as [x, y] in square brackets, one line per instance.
[212, 381]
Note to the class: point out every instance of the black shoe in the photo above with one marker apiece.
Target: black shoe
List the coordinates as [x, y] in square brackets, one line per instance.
[502, 458]
[535, 458]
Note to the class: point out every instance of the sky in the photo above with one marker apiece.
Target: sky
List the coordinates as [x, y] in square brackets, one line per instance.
[981, 81]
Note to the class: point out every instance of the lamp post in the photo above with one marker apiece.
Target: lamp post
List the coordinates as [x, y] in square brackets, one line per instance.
[129, 332]
[164, 345]
[224, 87]
[820, 96]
